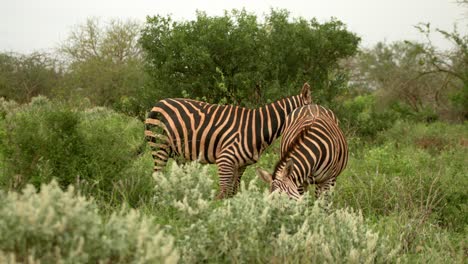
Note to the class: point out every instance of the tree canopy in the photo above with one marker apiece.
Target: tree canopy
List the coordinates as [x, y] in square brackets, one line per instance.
[236, 58]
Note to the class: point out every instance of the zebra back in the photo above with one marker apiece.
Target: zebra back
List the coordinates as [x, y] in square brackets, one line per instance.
[201, 131]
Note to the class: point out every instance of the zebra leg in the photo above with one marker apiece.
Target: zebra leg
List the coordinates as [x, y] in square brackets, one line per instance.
[323, 188]
[322, 191]
[227, 171]
[160, 148]
[237, 180]
[160, 158]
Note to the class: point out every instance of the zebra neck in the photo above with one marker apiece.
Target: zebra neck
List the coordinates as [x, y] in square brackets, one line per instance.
[271, 118]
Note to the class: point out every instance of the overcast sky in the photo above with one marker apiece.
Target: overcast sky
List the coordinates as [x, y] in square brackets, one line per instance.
[30, 25]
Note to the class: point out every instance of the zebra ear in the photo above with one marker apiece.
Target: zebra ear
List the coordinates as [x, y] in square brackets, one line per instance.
[264, 175]
[306, 95]
[288, 168]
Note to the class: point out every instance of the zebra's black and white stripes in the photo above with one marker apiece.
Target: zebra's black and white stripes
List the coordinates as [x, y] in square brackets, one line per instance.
[313, 151]
[230, 136]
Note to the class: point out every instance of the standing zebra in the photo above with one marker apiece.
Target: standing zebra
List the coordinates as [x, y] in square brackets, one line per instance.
[313, 151]
[230, 136]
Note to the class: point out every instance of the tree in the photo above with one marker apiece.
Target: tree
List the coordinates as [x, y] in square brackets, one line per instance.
[417, 74]
[234, 58]
[453, 64]
[25, 76]
[105, 62]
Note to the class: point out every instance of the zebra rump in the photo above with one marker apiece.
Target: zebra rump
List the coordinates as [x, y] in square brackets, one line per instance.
[313, 151]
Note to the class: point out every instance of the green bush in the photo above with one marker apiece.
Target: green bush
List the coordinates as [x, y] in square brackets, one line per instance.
[41, 139]
[256, 227]
[188, 187]
[6, 106]
[360, 116]
[54, 226]
[251, 226]
[95, 148]
[239, 58]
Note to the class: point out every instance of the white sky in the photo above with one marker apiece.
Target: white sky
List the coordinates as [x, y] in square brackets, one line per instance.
[30, 25]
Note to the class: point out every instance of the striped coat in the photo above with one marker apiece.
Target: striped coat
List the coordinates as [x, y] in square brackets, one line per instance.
[230, 136]
[313, 151]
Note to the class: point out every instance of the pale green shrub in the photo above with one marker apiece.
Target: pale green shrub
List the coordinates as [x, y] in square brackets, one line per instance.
[188, 188]
[54, 226]
[6, 107]
[255, 226]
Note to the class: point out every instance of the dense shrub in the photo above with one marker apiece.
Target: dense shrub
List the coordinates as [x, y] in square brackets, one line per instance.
[239, 58]
[41, 140]
[6, 106]
[254, 226]
[188, 187]
[95, 148]
[360, 116]
[54, 226]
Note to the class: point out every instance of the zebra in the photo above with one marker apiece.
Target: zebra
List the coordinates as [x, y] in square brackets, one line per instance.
[230, 136]
[313, 150]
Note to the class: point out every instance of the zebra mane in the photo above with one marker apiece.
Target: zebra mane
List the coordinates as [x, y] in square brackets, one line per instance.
[299, 138]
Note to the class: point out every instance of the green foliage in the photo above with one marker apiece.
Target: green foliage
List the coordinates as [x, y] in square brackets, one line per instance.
[6, 106]
[401, 198]
[25, 76]
[105, 65]
[361, 116]
[96, 148]
[453, 64]
[54, 226]
[433, 137]
[237, 59]
[417, 76]
[417, 169]
[253, 226]
[189, 186]
[40, 141]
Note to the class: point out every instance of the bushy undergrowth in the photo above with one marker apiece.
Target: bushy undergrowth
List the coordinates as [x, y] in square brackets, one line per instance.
[256, 227]
[401, 197]
[400, 175]
[413, 185]
[434, 137]
[54, 226]
[188, 189]
[96, 149]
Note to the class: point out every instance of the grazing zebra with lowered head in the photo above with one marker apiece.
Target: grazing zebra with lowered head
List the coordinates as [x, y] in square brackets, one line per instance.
[230, 136]
[313, 151]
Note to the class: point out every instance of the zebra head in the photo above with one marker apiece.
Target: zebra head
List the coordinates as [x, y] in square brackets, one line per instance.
[281, 180]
